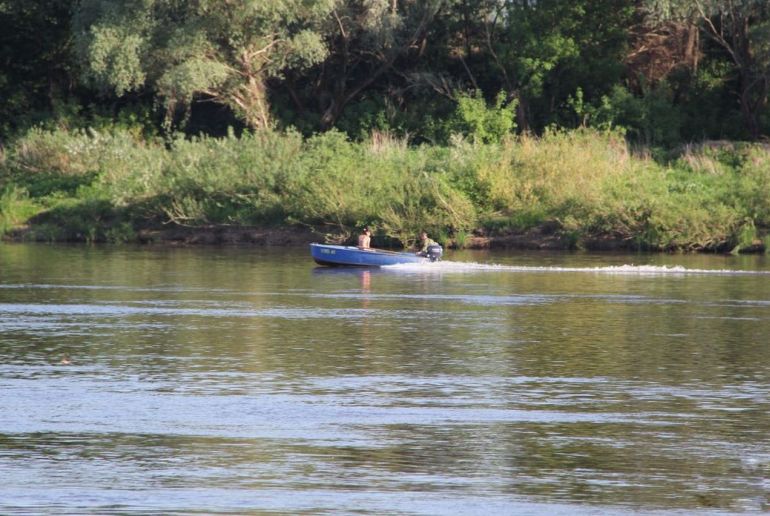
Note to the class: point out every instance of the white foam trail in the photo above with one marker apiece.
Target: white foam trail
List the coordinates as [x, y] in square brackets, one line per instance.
[648, 270]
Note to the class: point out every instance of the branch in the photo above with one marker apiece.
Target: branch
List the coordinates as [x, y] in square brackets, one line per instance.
[470, 74]
[497, 59]
[717, 35]
[248, 55]
[340, 24]
[332, 111]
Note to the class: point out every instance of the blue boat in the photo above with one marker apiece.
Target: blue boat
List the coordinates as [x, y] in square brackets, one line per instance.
[335, 255]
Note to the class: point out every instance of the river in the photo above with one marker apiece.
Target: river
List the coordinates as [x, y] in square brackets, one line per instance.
[160, 380]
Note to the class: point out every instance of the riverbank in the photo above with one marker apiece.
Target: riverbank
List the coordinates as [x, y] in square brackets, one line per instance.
[566, 190]
[544, 238]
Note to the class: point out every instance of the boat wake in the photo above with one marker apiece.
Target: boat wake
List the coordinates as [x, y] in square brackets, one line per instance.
[651, 270]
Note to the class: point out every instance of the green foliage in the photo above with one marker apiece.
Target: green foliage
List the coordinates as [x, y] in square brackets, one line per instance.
[224, 51]
[746, 236]
[545, 50]
[389, 67]
[461, 238]
[584, 185]
[753, 185]
[15, 207]
[475, 120]
[58, 153]
[742, 31]
[37, 65]
[115, 58]
[707, 106]
[651, 119]
[224, 181]
[369, 116]
[397, 189]
[83, 159]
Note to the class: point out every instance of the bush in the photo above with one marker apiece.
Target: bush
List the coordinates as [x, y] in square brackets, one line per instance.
[15, 207]
[650, 119]
[480, 123]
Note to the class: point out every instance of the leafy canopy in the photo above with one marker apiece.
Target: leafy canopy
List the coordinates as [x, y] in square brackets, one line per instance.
[224, 51]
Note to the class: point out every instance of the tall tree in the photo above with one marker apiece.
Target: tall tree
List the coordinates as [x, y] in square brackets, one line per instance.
[367, 38]
[540, 52]
[742, 29]
[187, 49]
[35, 68]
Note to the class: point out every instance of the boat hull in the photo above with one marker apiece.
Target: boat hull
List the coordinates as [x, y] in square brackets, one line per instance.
[340, 255]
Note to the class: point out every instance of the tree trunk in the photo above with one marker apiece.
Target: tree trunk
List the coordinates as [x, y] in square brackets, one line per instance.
[753, 101]
[522, 118]
[250, 99]
[753, 81]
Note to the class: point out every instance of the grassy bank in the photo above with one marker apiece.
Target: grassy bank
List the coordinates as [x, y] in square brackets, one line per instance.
[585, 187]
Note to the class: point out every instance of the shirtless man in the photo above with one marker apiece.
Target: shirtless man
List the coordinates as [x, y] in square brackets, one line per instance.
[364, 239]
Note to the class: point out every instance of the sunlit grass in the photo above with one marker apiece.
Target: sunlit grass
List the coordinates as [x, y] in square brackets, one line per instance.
[584, 183]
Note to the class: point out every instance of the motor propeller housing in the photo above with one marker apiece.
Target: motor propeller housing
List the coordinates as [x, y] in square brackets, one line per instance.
[434, 252]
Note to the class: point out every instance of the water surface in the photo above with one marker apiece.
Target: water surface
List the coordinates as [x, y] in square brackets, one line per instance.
[248, 380]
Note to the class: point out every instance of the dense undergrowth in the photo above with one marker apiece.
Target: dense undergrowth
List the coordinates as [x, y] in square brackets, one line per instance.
[585, 185]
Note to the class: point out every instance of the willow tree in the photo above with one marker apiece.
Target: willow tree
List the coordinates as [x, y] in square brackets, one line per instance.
[187, 49]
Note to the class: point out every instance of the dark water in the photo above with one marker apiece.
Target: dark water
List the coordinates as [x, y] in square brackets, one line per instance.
[249, 381]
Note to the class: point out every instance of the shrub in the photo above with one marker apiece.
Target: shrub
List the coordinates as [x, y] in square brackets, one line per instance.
[15, 207]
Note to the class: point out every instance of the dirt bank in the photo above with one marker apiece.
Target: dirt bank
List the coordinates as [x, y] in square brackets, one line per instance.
[230, 235]
[544, 237]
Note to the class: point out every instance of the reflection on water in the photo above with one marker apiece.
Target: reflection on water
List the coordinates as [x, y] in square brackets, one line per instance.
[239, 380]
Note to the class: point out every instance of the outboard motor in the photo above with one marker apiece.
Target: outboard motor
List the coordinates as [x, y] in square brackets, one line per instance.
[434, 252]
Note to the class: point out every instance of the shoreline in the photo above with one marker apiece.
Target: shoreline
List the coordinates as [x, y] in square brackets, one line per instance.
[540, 238]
